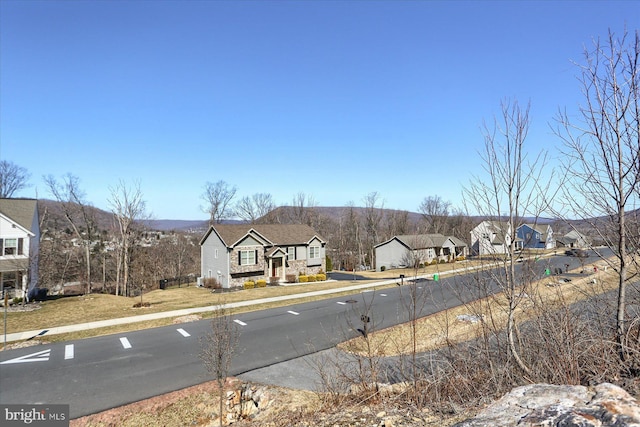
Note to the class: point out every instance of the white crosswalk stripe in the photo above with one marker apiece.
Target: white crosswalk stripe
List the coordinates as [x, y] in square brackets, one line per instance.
[240, 322]
[125, 342]
[183, 332]
[68, 351]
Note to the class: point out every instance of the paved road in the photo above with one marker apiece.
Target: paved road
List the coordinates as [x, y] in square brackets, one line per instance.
[100, 373]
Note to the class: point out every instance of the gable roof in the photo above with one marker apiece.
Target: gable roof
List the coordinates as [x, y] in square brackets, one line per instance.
[21, 211]
[424, 241]
[275, 234]
[540, 228]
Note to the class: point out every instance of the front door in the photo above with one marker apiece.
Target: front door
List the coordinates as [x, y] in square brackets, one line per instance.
[276, 267]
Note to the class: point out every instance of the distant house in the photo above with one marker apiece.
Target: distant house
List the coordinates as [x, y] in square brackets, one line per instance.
[235, 253]
[574, 239]
[19, 245]
[535, 236]
[491, 238]
[411, 250]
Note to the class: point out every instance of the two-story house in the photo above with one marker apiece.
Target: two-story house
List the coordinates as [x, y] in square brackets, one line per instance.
[491, 238]
[235, 253]
[536, 236]
[19, 245]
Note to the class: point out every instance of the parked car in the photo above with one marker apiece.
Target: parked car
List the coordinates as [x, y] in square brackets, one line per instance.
[580, 253]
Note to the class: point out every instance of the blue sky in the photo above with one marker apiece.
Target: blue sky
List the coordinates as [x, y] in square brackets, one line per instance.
[335, 99]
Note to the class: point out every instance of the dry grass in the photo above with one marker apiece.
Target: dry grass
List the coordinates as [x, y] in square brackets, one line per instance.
[444, 327]
[95, 307]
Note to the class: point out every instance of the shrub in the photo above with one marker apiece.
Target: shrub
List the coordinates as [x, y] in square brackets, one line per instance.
[211, 283]
[249, 284]
[328, 263]
[421, 265]
[443, 261]
[303, 279]
[383, 268]
[141, 304]
[261, 283]
[291, 278]
[311, 278]
[321, 277]
[17, 300]
[460, 258]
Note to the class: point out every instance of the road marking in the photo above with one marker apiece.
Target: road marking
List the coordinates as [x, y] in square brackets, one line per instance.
[342, 303]
[41, 356]
[366, 290]
[125, 342]
[240, 322]
[293, 312]
[383, 295]
[183, 332]
[68, 351]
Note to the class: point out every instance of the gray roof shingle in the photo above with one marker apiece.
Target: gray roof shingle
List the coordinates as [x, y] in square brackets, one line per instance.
[22, 211]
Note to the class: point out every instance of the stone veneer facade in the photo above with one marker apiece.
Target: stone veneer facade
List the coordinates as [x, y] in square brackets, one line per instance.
[260, 270]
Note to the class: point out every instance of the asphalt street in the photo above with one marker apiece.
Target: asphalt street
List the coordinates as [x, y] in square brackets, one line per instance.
[100, 373]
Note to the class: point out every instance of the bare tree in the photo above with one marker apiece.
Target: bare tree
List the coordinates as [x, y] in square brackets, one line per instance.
[603, 152]
[511, 192]
[13, 178]
[218, 196]
[218, 347]
[78, 213]
[373, 211]
[435, 213]
[127, 207]
[255, 209]
[303, 210]
[396, 223]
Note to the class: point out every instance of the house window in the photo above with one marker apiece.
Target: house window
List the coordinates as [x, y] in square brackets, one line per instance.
[9, 279]
[291, 253]
[485, 236]
[12, 247]
[314, 252]
[247, 257]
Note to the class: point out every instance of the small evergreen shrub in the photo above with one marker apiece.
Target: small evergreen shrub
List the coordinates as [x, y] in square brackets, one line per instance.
[383, 268]
[261, 283]
[311, 278]
[303, 279]
[249, 284]
[321, 277]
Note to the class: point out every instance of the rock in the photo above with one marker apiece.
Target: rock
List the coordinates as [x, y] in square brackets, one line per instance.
[560, 405]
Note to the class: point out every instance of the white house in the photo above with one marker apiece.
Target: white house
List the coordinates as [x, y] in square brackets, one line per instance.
[491, 238]
[19, 245]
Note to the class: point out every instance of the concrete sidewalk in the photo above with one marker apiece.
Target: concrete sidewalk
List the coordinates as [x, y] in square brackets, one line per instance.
[26, 335]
